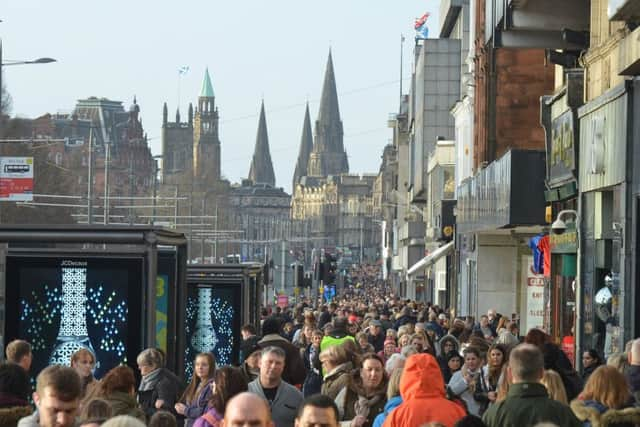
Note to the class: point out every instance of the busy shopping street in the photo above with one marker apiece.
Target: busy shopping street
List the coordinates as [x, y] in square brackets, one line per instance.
[345, 213]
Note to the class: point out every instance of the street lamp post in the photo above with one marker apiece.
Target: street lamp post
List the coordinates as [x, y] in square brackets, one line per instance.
[13, 62]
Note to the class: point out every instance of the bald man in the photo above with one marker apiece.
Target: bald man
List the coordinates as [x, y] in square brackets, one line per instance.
[247, 410]
[632, 373]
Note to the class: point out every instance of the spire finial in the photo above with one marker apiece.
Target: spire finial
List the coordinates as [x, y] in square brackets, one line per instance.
[207, 88]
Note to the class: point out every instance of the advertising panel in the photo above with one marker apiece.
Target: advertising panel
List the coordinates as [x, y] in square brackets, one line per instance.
[62, 305]
[16, 179]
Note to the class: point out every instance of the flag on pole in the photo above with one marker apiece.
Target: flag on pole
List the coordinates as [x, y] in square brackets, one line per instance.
[420, 25]
[183, 70]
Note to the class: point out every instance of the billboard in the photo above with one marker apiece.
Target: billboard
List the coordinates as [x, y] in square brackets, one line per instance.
[16, 179]
[63, 304]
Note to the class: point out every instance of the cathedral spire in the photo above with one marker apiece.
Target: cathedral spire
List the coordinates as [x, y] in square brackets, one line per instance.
[306, 145]
[328, 156]
[261, 170]
[329, 110]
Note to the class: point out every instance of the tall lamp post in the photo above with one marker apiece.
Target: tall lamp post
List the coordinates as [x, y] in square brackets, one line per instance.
[13, 62]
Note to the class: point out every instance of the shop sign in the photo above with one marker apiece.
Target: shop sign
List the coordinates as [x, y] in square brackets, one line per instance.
[283, 301]
[561, 157]
[535, 297]
[565, 243]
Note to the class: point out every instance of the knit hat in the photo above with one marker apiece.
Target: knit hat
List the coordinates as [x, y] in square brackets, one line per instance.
[271, 325]
[389, 340]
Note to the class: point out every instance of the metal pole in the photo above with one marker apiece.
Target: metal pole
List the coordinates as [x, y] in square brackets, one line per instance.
[284, 270]
[90, 179]
[155, 190]
[131, 177]
[204, 205]
[361, 239]
[401, 49]
[215, 247]
[175, 208]
[106, 184]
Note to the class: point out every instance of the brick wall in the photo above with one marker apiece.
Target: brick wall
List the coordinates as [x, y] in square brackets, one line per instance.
[521, 77]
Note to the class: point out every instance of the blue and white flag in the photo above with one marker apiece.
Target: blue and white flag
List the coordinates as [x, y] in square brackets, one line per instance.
[183, 70]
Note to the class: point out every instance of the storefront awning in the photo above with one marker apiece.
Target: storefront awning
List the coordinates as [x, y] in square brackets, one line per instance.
[430, 259]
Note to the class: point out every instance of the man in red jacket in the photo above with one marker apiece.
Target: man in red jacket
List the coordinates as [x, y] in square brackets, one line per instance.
[423, 396]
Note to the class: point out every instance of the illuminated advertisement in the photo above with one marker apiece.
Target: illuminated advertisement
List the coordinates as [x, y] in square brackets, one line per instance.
[61, 305]
[212, 324]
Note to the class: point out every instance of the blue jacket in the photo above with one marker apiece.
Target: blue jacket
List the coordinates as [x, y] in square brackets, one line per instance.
[391, 404]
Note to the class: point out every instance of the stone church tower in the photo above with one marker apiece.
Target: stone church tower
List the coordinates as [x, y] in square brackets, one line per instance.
[206, 143]
[328, 156]
[191, 149]
[261, 170]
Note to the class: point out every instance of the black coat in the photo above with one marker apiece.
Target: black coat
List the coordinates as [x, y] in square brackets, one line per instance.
[554, 358]
[168, 388]
[313, 381]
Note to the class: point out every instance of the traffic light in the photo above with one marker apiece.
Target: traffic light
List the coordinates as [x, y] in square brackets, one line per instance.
[299, 275]
[329, 268]
[265, 274]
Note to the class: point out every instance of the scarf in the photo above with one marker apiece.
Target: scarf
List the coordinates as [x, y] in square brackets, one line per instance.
[150, 380]
[364, 404]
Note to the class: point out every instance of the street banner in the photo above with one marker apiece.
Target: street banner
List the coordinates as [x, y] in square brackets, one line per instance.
[535, 297]
[16, 179]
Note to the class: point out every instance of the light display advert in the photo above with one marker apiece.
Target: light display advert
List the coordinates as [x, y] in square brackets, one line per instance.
[68, 304]
[212, 322]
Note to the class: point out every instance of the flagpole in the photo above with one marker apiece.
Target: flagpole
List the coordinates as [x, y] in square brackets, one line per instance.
[179, 80]
[401, 49]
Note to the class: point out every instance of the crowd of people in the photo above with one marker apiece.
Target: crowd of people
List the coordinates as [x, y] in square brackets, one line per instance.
[363, 360]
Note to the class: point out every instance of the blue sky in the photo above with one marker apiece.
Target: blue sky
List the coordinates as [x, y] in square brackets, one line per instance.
[255, 48]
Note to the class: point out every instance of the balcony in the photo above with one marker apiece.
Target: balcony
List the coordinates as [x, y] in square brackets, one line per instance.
[539, 24]
[506, 194]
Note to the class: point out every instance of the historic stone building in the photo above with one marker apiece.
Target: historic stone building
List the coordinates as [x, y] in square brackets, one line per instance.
[121, 160]
[196, 195]
[191, 150]
[332, 208]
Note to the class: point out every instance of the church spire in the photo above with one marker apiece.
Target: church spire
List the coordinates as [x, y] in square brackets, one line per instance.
[329, 110]
[328, 156]
[306, 145]
[261, 170]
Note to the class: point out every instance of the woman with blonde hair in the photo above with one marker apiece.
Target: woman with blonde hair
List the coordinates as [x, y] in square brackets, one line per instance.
[555, 387]
[504, 385]
[618, 361]
[605, 400]
[337, 367]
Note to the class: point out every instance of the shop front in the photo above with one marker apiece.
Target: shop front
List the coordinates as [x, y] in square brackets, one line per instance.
[606, 288]
[497, 211]
[559, 118]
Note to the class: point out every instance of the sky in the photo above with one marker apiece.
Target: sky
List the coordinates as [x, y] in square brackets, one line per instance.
[255, 49]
